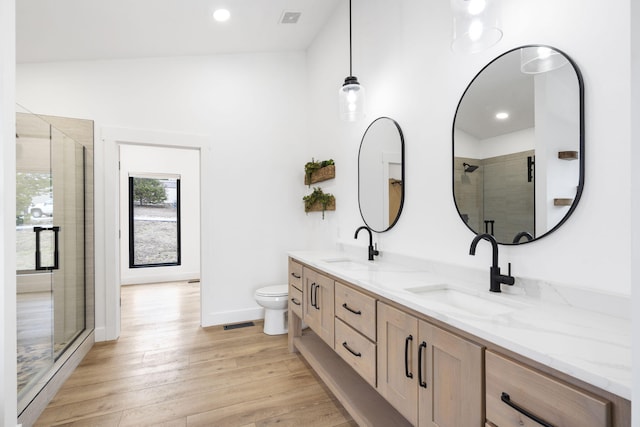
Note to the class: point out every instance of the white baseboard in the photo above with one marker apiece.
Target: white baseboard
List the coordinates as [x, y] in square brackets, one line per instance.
[100, 334]
[235, 316]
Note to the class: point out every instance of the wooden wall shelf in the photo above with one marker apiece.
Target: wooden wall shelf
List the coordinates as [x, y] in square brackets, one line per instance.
[317, 206]
[568, 155]
[562, 202]
[322, 174]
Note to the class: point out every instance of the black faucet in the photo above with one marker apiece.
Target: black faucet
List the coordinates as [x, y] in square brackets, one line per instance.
[495, 278]
[522, 234]
[372, 251]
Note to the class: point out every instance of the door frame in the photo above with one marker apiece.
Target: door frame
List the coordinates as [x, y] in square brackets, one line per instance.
[108, 213]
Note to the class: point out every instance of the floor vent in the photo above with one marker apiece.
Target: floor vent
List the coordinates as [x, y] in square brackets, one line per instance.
[238, 325]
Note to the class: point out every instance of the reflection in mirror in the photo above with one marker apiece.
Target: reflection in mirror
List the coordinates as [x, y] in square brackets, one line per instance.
[381, 174]
[518, 144]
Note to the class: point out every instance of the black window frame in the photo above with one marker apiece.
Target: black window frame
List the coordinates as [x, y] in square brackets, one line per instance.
[131, 224]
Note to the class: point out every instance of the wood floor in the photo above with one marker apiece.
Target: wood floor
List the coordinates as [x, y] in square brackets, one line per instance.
[165, 370]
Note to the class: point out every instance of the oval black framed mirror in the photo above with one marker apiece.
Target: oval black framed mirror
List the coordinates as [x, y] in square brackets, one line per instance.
[381, 174]
[518, 145]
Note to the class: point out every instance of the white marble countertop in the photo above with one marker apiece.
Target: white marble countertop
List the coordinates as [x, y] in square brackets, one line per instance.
[579, 333]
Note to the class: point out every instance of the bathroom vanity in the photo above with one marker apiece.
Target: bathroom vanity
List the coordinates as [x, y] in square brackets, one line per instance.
[406, 344]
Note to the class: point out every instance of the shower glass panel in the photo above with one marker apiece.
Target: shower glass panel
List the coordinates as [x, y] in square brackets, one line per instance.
[50, 239]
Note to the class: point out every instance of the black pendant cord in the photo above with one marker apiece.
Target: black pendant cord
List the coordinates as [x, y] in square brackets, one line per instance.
[350, 47]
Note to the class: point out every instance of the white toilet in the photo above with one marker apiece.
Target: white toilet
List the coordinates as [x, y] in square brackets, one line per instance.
[274, 300]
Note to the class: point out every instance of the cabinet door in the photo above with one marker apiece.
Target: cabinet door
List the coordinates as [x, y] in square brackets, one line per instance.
[318, 310]
[449, 379]
[397, 360]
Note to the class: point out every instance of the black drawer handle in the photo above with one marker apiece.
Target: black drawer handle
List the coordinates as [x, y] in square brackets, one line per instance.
[406, 356]
[295, 301]
[317, 306]
[312, 295]
[346, 307]
[297, 276]
[423, 345]
[506, 399]
[356, 354]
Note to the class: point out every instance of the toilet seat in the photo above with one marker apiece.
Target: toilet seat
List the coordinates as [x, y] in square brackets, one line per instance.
[273, 291]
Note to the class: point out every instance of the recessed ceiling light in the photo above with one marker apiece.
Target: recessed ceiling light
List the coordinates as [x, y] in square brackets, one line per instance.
[221, 15]
[502, 115]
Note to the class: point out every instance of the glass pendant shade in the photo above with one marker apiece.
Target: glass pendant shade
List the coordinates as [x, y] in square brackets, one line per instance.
[540, 59]
[351, 97]
[476, 25]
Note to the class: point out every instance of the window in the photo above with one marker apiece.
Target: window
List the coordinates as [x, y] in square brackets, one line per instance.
[154, 221]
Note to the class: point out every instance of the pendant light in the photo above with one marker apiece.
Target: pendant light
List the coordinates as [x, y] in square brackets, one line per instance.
[476, 25]
[351, 93]
[540, 59]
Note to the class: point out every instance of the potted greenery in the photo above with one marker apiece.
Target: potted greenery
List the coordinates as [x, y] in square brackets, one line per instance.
[319, 201]
[318, 171]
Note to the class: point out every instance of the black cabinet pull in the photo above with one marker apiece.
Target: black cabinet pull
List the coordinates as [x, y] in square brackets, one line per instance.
[295, 301]
[506, 399]
[295, 275]
[346, 307]
[406, 356]
[312, 294]
[356, 354]
[423, 345]
[316, 298]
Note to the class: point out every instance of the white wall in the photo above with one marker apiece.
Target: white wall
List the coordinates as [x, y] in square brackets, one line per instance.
[185, 163]
[411, 75]
[252, 164]
[402, 56]
[8, 378]
[634, 159]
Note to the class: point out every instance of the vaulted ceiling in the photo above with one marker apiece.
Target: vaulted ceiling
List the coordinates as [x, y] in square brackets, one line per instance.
[63, 30]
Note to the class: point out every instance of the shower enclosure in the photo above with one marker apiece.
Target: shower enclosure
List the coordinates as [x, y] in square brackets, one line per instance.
[51, 250]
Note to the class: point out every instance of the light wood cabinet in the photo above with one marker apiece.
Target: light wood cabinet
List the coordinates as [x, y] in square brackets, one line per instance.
[517, 395]
[431, 376]
[295, 274]
[318, 304]
[356, 309]
[357, 351]
[398, 368]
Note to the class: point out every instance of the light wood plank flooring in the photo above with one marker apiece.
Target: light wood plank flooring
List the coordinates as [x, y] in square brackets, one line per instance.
[165, 370]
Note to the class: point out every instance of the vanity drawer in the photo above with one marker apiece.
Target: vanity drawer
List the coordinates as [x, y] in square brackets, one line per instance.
[356, 309]
[357, 351]
[542, 396]
[295, 300]
[295, 274]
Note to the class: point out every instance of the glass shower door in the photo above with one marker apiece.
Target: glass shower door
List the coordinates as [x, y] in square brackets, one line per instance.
[50, 250]
[34, 214]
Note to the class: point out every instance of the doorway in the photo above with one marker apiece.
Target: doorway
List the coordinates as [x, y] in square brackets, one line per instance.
[169, 211]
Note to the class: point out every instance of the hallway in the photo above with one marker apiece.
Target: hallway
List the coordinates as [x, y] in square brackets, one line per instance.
[167, 370]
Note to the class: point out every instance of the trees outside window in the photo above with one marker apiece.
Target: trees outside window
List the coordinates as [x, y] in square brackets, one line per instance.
[154, 221]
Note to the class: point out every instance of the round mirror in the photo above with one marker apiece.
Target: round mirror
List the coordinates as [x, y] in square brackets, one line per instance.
[381, 174]
[518, 145]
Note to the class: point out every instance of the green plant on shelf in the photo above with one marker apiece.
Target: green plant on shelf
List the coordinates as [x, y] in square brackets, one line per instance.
[318, 198]
[313, 166]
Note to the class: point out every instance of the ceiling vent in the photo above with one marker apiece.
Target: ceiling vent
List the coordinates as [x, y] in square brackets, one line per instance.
[290, 17]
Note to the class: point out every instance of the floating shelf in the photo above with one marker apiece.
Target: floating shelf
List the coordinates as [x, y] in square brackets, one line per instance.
[317, 206]
[322, 174]
[363, 402]
[562, 202]
[568, 155]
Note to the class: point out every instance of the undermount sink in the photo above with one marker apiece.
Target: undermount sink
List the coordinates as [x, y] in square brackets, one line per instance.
[348, 264]
[451, 299]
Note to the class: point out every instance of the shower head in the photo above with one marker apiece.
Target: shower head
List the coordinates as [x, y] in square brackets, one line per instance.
[469, 168]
